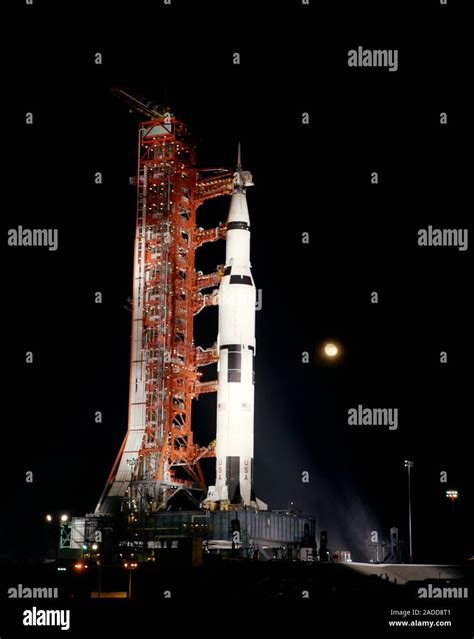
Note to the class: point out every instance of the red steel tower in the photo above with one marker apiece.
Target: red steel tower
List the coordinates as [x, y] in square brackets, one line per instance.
[158, 456]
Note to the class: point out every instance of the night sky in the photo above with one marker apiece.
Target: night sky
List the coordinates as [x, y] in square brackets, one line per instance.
[308, 179]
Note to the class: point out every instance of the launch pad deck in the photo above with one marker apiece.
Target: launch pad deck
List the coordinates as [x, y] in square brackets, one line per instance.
[242, 532]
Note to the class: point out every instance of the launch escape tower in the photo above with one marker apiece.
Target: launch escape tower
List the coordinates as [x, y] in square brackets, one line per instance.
[158, 456]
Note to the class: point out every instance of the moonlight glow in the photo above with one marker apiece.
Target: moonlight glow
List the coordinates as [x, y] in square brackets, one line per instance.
[330, 350]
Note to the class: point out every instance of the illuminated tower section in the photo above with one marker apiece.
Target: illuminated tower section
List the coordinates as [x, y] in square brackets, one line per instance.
[158, 456]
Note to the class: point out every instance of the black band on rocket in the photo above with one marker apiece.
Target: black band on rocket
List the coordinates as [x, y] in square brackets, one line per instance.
[241, 279]
[235, 347]
[243, 226]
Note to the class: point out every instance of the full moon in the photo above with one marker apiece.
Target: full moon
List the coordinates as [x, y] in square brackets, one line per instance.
[330, 350]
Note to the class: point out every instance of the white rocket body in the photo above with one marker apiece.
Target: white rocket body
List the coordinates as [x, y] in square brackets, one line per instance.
[236, 344]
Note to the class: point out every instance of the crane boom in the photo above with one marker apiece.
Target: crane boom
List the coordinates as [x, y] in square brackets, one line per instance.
[153, 111]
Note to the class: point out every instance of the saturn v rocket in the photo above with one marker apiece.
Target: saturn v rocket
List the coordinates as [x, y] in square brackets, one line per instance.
[236, 345]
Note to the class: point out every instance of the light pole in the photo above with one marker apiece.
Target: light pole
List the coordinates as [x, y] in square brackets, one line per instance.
[409, 466]
[452, 495]
[56, 525]
[95, 555]
[130, 566]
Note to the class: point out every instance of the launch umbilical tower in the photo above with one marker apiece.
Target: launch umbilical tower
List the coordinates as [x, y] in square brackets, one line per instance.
[158, 456]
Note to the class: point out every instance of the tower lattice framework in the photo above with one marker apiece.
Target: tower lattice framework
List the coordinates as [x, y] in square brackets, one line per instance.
[158, 456]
